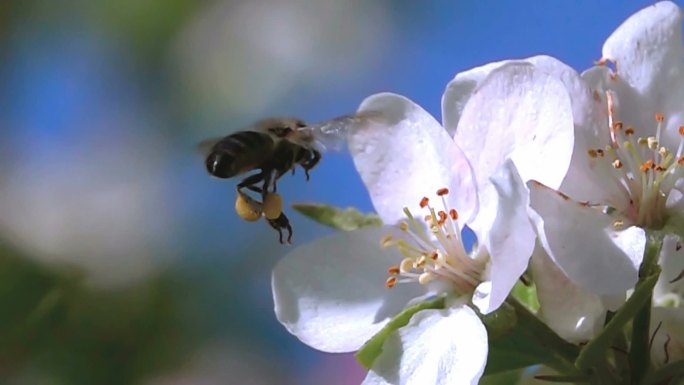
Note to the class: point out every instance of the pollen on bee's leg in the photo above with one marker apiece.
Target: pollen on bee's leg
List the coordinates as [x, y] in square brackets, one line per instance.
[248, 208]
[273, 205]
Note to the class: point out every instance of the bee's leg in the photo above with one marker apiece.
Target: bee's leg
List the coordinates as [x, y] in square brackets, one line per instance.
[250, 181]
[311, 163]
[279, 224]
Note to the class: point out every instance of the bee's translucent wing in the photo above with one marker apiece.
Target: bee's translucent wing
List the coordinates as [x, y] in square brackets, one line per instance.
[333, 134]
[204, 147]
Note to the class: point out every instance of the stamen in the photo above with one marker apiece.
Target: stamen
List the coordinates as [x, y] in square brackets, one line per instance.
[424, 202]
[443, 191]
[390, 282]
[394, 270]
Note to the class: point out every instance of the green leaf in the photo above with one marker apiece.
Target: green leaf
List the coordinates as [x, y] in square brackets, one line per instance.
[373, 347]
[340, 219]
[505, 378]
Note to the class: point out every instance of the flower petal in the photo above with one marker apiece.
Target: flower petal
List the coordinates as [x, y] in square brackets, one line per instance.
[668, 342]
[331, 294]
[670, 285]
[572, 312]
[505, 230]
[437, 347]
[584, 244]
[647, 48]
[523, 113]
[407, 156]
[459, 90]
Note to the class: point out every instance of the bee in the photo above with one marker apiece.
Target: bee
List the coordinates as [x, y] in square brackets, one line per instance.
[272, 147]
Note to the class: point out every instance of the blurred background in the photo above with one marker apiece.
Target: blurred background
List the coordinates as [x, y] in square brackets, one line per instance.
[121, 260]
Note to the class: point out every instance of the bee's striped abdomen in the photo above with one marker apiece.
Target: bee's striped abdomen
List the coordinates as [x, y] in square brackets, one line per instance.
[239, 153]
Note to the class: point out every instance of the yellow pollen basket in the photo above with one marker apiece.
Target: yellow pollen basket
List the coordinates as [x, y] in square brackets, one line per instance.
[247, 208]
[273, 205]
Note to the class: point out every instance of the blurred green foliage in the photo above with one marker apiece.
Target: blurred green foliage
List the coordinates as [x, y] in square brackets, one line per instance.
[55, 325]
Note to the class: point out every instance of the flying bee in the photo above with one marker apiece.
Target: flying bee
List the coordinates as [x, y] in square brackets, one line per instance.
[272, 147]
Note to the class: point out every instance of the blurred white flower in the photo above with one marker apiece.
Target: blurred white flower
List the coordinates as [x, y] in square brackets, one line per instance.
[245, 55]
[627, 158]
[95, 204]
[328, 293]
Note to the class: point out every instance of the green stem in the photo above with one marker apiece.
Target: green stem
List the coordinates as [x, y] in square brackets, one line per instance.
[639, 356]
[596, 348]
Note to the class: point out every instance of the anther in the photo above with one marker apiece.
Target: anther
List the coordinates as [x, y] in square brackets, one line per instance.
[387, 241]
[406, 265]
[403, 226]
[592, 153]
[394, 270]
[681, 130]
[443, 191]
[600, 152]
[425, 278]
[424, 202]
[647, 165]
[680, 160]
[617, 126]
[619, 224]
[453, 214]
[391, 281]
[652, 143]
[617, 163]
[659, 117]
[629, 131]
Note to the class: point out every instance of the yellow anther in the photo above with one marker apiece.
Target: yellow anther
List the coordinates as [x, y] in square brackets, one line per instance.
[273, 205]
[406, 265]
[404, 226]
[425, 278]
[619, 224]
[387, 241]
[652, 143]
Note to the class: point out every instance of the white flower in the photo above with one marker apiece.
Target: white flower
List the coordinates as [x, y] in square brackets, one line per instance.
[332, 293]
[627, 159]
[667, 315]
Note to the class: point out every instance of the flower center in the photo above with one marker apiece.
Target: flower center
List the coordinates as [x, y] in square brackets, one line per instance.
[644, 170]
[436, 253]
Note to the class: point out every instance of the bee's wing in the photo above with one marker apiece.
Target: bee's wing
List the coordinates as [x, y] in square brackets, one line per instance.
[333, 134]
[205, 146]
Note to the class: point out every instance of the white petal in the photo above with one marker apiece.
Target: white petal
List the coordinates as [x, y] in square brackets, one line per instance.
[647, 48]
[409, 156]
[523, 113]
[669, 287]
[459, 90]
[504, 229]
[584, 244]
[572, 312]
[436, 347]
[670, 335]
[331, 293]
